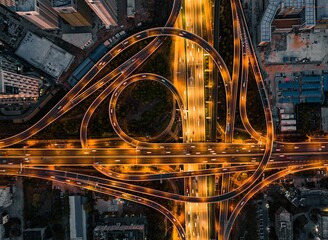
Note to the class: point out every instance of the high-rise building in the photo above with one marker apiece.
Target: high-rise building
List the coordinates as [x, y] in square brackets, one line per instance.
[39, 12]
[15, 87]
[106, 10]
[284, 224]
[5, 197]
[75, 12]
[131, 5]
[77, 218]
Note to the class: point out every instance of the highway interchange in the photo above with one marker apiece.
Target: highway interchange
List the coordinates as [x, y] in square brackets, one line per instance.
[253, 157]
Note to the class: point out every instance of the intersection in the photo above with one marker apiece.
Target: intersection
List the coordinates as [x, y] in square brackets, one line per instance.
[194, 151]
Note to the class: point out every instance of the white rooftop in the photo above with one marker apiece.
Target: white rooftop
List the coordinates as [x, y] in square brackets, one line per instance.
[77, 39]
[45, 55]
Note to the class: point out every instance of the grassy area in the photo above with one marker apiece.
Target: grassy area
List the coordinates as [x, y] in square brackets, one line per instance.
[145, 108]
[226, 34]
[309, 116]
[254, 105]
[246, 223]
[226, 51]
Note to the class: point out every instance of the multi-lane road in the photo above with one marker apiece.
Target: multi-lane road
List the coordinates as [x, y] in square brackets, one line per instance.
[195, 151]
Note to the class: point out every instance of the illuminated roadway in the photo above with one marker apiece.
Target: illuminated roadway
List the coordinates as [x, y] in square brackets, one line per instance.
[196, 215]
[225, 181]
[165, 153]
[126, 83]
[261, 185]
[93, 184]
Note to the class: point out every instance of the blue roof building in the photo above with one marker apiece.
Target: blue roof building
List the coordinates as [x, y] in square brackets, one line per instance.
[313, 100]
[98, 53]
[290, 94]
[316, 86]
[311, 93]
[288, 85]
[83, 68]
[289, 100]
[325, 82]
[311, 79]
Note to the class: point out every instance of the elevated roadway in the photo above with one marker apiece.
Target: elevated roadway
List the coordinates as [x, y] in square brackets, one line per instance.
[258, 157]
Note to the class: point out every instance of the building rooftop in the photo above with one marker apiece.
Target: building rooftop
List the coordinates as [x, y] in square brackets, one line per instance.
[5, 196]
[298, 4]
[325, 82]
[322, 9]
[131, 8]
[265, 25]
[77, 39]
[34, 233]
[311, 78]
[288, 85]
[11, 4]
[45, 55]
[25, 5]
[274, 5]
[77, 217]
[286, 23]
[309, 12]
[62, 3]
[119, 228]
[7, 65]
